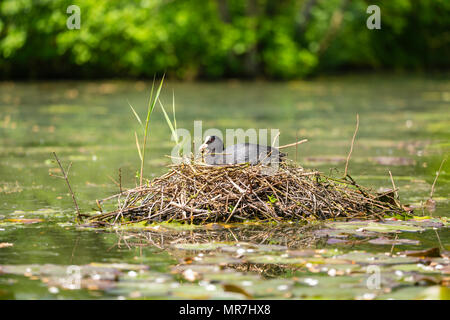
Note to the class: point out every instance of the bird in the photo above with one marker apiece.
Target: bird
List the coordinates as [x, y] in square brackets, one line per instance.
[238, 153]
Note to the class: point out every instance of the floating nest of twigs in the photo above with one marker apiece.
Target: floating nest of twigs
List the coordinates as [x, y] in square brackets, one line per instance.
[200, 193]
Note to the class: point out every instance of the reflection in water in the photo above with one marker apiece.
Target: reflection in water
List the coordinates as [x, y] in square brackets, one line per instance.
[289, 236]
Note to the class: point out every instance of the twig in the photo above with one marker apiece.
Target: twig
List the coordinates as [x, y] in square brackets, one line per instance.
[74, 248]
[79, 218]
[234, 209]
[275, 139]
[114, 181]
[393, 185]
[351, 147]
[393, 244]
[120, 180]
[99, 206]
[437, 176]
[439, 239]
[293, 144]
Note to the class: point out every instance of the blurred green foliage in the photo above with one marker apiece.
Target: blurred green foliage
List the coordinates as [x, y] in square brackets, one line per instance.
[219, 38]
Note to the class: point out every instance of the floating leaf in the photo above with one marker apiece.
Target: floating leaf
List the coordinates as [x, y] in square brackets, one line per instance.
[24, 221]
[393, 161]
[391, 227]
[199, 246]
[387, 241]
[433, 252]
[234, 288]
[435, 293]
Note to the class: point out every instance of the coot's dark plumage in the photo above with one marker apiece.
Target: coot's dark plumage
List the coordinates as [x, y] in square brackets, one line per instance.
[238, 153]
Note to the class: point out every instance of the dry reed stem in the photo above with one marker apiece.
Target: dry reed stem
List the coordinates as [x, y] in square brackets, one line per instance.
[437, 176]
[293, 144]
[351, 147]
[66, 177]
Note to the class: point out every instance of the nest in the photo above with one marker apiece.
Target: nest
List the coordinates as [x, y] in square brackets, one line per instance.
[200, 193]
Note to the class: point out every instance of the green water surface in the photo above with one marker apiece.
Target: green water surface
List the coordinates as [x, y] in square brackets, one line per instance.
[404, 127]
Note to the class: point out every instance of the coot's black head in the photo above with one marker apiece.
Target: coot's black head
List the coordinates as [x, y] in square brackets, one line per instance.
[212, 144]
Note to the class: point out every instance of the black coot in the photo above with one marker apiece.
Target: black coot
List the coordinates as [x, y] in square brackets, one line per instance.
[238, 153]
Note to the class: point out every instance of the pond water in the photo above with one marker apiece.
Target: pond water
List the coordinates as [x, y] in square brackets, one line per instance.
[404, 127]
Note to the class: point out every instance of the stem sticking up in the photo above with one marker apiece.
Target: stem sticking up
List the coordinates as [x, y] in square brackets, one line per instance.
[351, 147]
[65, 177]
[437, 176]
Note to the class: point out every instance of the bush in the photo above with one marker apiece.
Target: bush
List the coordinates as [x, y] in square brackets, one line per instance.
[218, 38]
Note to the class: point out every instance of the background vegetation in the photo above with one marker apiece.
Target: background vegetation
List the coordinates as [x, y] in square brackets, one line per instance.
[219, 38]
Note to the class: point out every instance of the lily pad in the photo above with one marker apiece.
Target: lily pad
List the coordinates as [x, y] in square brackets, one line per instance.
[388, 241]
[199, 246]
[375, 227]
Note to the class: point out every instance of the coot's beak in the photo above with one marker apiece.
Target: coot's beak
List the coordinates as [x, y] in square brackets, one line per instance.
[203, 147]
